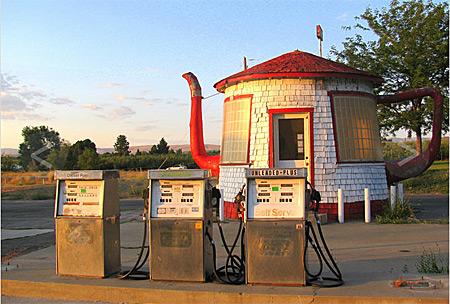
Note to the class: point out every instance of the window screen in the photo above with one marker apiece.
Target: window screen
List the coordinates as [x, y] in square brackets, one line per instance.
[235, 131]
[357, 130]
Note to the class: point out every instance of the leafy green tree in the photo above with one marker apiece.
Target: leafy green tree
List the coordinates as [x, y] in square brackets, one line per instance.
[88, 159]
[161, 148]
[410, 50]
[10, 163]
[58, 158]
[34, 139]
[76, 150]
[122, 146]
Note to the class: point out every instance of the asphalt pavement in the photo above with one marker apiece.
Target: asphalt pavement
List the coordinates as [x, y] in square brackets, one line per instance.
[28, 225]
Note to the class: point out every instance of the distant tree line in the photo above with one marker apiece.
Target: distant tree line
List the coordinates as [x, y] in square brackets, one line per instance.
[46, 144]
[83, 153]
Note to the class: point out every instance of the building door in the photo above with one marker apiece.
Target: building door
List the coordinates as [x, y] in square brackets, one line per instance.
[291, 140]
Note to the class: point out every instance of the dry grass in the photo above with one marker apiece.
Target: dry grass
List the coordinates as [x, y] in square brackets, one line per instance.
[41, 185]
[133, 174]
[13, 181]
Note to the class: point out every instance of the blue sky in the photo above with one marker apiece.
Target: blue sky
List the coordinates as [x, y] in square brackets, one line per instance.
[97, 69]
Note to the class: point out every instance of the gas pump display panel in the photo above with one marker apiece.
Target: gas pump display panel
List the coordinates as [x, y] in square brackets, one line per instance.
[80, 198]
[276, 198]
[177, 198]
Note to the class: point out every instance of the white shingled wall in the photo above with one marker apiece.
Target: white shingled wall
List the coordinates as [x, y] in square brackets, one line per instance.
[298, 93]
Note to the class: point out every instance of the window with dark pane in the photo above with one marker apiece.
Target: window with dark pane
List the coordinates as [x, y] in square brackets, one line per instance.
[291, 136]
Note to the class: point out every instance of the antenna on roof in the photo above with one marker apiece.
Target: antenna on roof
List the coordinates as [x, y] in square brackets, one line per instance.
[319, 34]
[245, 63]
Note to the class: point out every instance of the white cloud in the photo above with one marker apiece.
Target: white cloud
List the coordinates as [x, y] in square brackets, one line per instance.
[13, 107]
[120, 97]
[91, 106]
[110, 85]
[148, 101]
[17, 115]
[61, 101]
[11, 103]
[145, 128]
[121, 112]
[22, 101]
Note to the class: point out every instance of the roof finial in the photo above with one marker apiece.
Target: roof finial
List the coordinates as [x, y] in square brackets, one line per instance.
[319, 34]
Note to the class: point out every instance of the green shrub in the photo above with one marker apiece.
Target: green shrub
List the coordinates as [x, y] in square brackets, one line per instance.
[432, 262]
[401, 213]
[41, 196]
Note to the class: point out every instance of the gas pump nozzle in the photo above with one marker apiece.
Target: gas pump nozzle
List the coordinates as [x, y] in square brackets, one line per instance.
[314, 199]
[239, 199]
[145, 194]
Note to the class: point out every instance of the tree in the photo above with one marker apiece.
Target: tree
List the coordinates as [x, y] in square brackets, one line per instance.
[58, 158]
[10, 163]
[34, 139]
[76, 150]
[87, 160]
[122, 146]
[410, 51]
[161, 148]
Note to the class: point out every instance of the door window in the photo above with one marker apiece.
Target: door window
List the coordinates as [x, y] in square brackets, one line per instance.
[291, 134]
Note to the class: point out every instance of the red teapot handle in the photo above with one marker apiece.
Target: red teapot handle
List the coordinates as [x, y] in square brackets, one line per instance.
[413, 166]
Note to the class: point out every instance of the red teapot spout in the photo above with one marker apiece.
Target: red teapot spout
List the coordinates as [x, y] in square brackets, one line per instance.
[198, 151]
[413, 166]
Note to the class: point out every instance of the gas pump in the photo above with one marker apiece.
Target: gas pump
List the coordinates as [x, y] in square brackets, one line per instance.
[87, 223]
[180, 219]
[275, 226]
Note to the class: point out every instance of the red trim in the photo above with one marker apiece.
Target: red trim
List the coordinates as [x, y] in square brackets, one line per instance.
[230, 210]
[311, 135]
[233, 98]
[333, 120]
[353, 210]
[351, 93]
[331, 94]
[220, 86]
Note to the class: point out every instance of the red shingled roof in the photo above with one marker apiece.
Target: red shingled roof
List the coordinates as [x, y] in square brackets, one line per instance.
[297, 64]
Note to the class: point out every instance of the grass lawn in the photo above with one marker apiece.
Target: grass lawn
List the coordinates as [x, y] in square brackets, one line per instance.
[432, 181]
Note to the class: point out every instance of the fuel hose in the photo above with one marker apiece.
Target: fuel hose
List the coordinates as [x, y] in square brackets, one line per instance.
[316, 279]
[233, 272]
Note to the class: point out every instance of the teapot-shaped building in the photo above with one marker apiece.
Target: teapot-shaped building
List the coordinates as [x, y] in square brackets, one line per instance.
[301, 110]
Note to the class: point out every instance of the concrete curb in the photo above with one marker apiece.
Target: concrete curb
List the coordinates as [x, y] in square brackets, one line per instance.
[114, 294]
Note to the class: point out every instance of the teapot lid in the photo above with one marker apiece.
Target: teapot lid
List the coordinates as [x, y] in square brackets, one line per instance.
[297, 64]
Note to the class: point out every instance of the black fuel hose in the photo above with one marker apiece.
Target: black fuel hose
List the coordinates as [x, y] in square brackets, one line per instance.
[233, 272]
[316, 279]
[134, 273]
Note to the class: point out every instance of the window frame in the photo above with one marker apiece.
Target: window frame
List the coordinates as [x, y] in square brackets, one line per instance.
[234, 98]
[332, 95]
